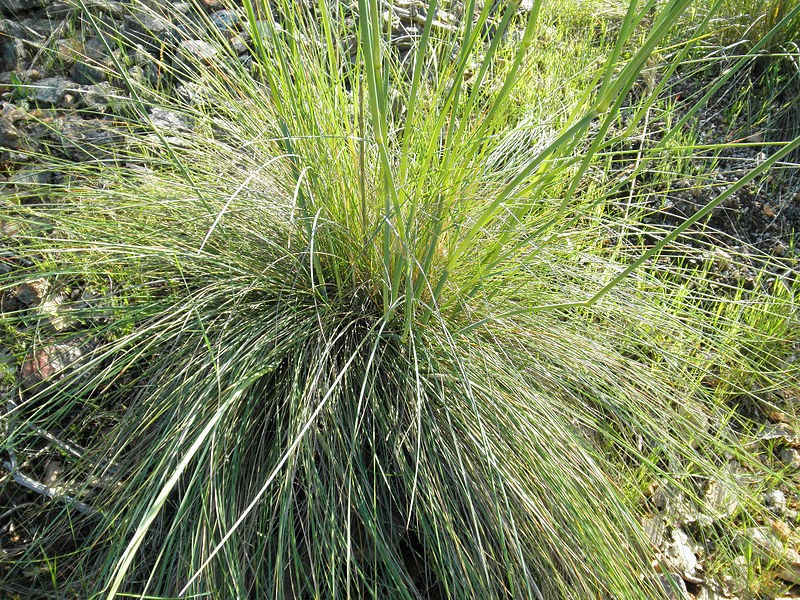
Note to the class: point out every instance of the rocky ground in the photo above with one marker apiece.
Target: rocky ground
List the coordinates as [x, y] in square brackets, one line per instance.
[58, 102]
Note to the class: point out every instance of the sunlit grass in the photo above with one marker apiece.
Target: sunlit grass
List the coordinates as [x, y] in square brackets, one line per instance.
[377, 328]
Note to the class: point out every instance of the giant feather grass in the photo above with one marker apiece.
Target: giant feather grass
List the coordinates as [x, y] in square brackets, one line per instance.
[350, 346]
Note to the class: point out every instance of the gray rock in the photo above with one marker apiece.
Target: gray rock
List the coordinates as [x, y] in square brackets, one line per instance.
[9, 135]
[781, 432]
[654, 529]
[14, 54]
[720, 500]
[226, 22]
[12, 112]
[677, 509]
[681, 556]
[775, 501]
[114, 9]
[765, 544]
[239, 44]
[790, 569]
[41, 28]
[87, 74]
[146, 23]
[87, 139]
[183, 8]
[8, 302]
[30, 177]
[12, 7]
[662, 496]
[51, 90]
[57, 9]
[196, 94]
[147, 30]
[140, 58]
[708, 593]
[99, 98]
[13, 51]
[199, 50]
[170, 121]
[99, 47]
[674, 586]
[32, 293]
[791, 457]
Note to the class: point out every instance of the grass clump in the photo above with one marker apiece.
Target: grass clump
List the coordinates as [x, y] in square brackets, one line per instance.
[364, 336]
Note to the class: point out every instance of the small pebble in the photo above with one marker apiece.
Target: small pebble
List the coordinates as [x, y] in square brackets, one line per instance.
[199, 50]
[226, 21]
[674, 586]
[791, 457]
[31, 293]
[775, 501]
[52, 472]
